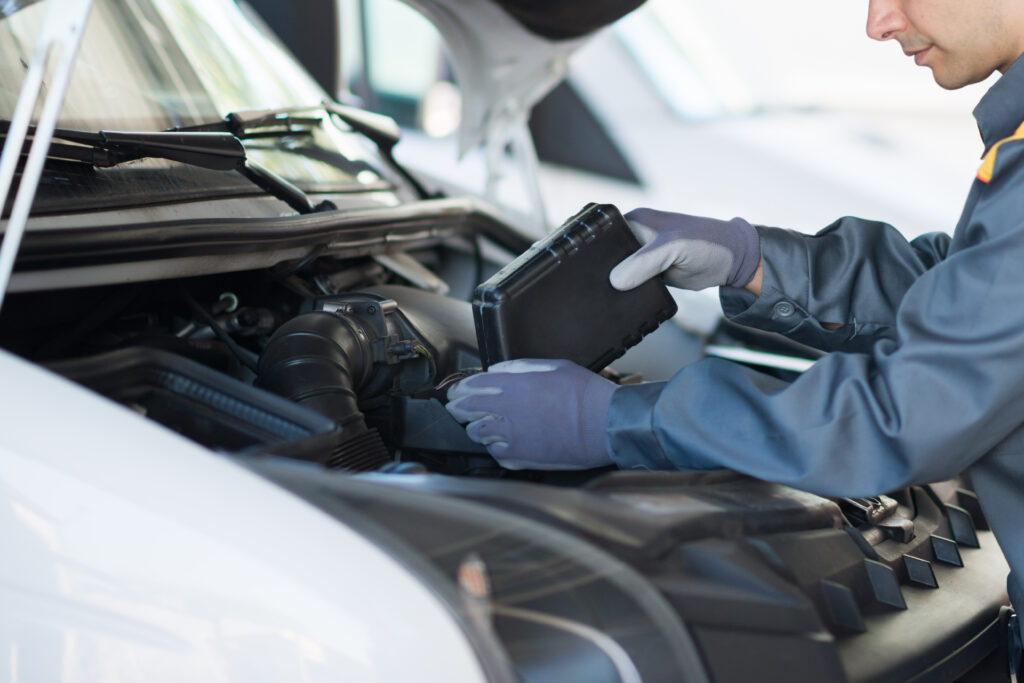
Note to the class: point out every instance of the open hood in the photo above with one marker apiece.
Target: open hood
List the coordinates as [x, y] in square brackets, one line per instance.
[560, 19]
[508, 54]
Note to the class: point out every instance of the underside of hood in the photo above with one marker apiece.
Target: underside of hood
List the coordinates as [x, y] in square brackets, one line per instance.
[508, 54]
[562, 19]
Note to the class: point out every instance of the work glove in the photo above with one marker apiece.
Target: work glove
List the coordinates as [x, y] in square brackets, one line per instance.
[536, 414]
[693, 252]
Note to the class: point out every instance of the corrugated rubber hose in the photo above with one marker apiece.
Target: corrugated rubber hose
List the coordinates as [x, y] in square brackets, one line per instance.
[321, 360]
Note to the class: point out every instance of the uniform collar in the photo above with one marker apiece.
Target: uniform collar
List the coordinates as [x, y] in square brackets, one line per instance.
[1001, 110]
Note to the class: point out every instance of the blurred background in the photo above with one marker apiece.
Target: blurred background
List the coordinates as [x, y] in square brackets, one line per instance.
[784, 113]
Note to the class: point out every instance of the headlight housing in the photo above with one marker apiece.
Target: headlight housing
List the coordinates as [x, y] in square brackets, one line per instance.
[536, 603]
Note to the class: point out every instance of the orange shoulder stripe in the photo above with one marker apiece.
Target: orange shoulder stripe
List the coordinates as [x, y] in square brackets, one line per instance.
[988, 164]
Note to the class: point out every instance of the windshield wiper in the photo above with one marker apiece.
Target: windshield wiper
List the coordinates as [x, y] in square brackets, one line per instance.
[381, 130]
[211, 150]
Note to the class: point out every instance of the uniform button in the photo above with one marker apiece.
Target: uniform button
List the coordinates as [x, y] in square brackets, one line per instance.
[783, 309]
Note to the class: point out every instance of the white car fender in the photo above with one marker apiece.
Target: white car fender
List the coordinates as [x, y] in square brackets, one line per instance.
[133, 554]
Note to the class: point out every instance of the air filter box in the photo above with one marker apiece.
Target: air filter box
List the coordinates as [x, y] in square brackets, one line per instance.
[555, 300]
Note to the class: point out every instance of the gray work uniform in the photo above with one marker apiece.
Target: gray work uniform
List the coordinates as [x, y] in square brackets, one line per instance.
[927, 375]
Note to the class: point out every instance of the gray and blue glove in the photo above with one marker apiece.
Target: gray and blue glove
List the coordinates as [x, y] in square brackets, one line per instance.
[537, 414]
[693, 252]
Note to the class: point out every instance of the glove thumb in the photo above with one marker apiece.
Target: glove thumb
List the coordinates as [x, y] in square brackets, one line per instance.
[646, 262]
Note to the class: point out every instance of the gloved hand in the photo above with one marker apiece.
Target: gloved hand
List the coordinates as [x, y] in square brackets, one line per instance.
[536, 414]
[693, 252]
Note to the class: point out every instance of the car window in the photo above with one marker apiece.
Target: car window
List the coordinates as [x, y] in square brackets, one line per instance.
[148, 65]
[395, 62]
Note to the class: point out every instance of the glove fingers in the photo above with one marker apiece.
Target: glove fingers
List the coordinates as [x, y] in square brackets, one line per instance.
[467, 388]
[523, 365]
[489, 429]
[483, 384]
[499, 451]
[468, 409]
[687, 263]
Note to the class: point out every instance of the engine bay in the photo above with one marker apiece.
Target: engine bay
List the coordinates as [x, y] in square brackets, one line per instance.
[339, 361]
[342, 363]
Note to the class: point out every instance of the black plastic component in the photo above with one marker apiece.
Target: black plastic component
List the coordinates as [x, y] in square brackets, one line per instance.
[202, 404]
[425, 425]
[218, 151]
[383, 132]
[898, 529]
[843, 611]
[962, 526]
[968, 500]
[321, 360]
[715, 500]
[282, 189]
[555, 300]
[735, 654]
[946, 551]
[919, 572]
[443, 324]
[358, 348]
[770, 581]
[885, 584]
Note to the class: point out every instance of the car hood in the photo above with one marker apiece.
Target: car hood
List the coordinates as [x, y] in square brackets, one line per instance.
[508, 54]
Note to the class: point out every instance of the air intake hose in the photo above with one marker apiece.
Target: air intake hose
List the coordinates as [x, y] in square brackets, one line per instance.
[322, 360]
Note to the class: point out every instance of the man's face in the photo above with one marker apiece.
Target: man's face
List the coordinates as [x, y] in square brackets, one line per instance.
[961, 41]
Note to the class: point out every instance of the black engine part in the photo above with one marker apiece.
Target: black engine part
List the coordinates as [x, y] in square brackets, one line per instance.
[355, 351]
[203, 404]
[555, 300]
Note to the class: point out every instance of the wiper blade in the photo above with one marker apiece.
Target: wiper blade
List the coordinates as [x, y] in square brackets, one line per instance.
[211, 150]
[106, 148]
[381, 130]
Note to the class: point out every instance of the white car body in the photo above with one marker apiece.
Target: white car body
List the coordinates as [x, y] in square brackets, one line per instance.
[133, 554]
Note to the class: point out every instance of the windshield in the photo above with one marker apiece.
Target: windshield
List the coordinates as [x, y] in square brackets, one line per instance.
[149, 65]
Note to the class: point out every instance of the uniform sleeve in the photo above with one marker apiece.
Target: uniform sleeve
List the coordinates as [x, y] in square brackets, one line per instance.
[920, 406]
[853, 274]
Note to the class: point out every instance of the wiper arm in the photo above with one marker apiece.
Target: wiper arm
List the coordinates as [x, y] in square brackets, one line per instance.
[106, 148]
[381, 130]
[252, 123]
[215, 151]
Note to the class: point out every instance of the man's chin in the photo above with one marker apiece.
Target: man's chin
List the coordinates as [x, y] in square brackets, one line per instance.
[950, 80]
[946, 83]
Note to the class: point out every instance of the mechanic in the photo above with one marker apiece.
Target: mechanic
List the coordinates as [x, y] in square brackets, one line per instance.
[927, 378]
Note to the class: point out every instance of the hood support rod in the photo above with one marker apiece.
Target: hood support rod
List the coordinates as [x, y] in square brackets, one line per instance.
[59, 39]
